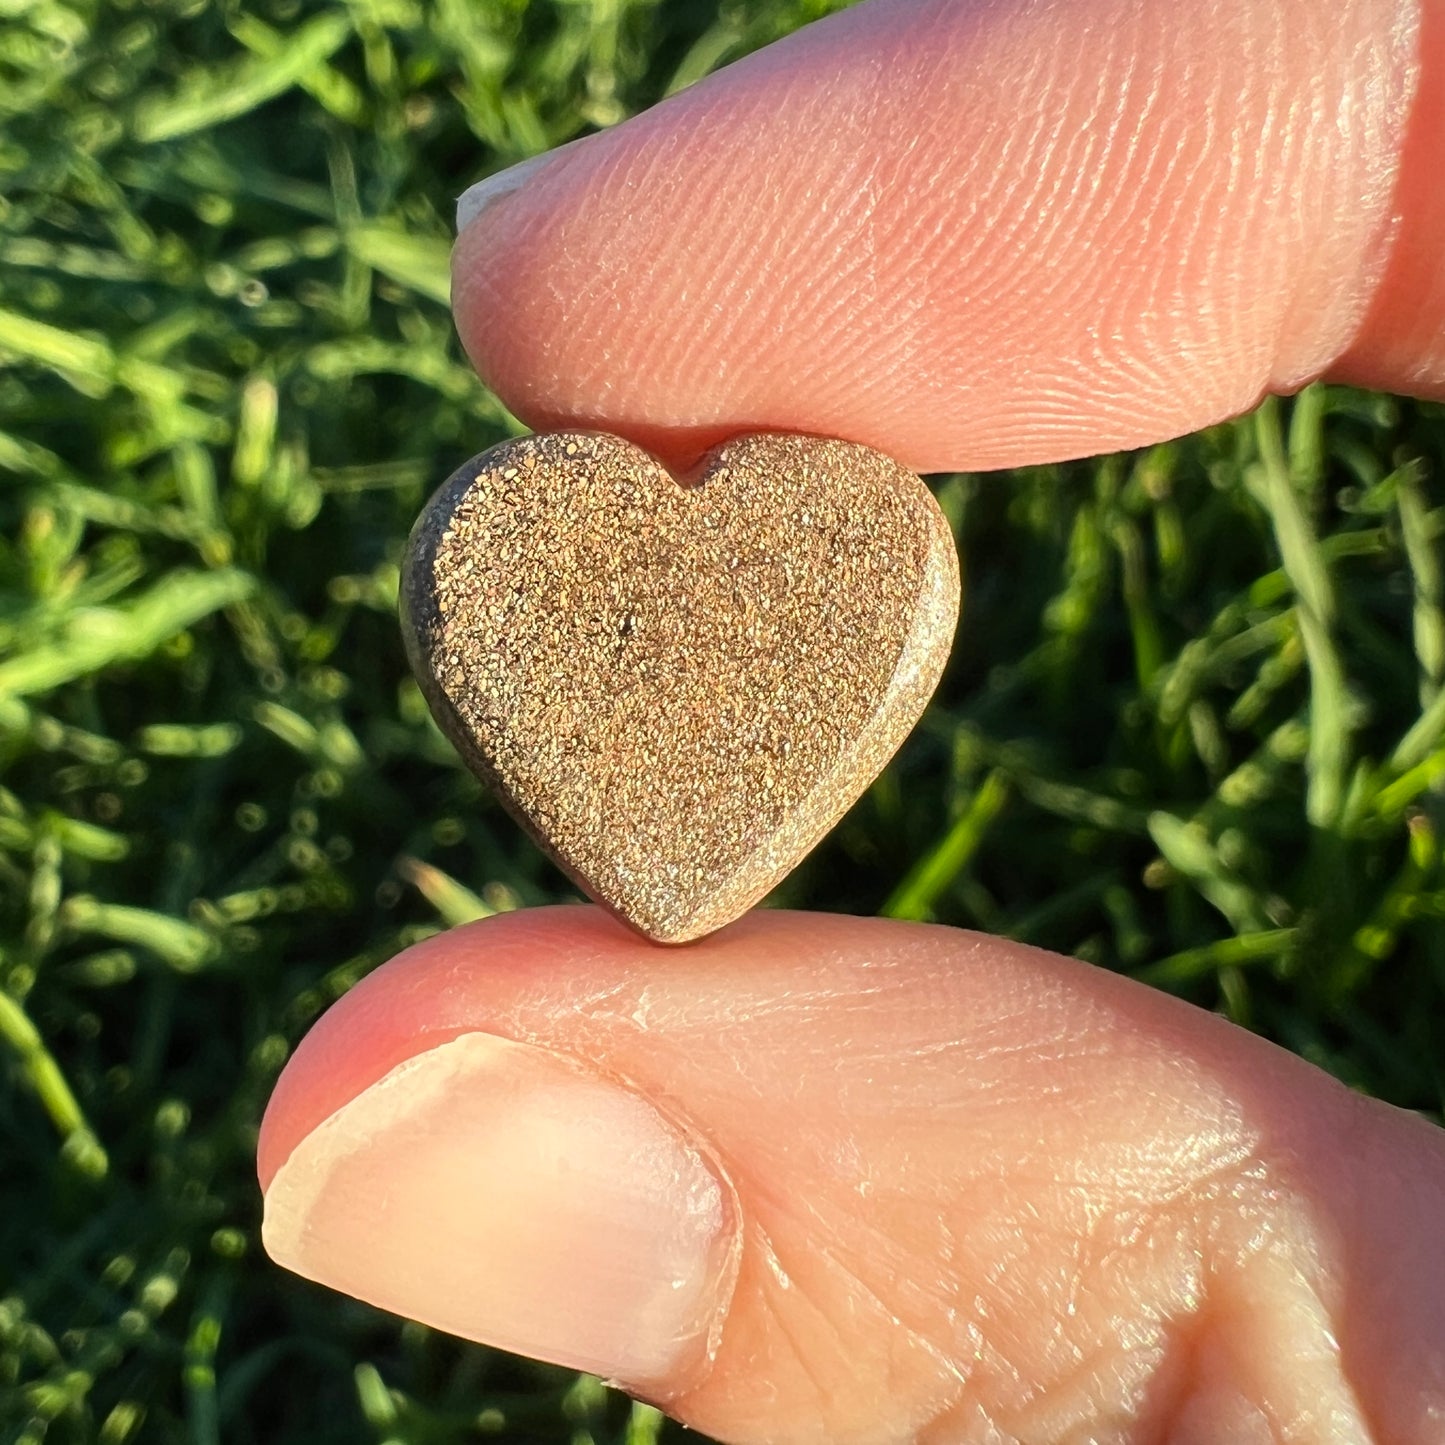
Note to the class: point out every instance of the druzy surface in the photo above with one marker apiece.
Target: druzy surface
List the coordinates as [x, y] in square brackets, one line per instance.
[679, 688]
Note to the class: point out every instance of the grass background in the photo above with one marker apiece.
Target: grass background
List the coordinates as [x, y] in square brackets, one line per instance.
[1194, 727]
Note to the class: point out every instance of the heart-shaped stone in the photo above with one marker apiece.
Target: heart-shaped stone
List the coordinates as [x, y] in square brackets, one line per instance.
[678, 689]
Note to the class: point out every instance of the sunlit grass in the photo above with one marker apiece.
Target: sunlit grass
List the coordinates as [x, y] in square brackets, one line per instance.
[1194, 728]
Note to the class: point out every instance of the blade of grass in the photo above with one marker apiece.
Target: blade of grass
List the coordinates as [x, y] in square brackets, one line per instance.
[97, 638]
[1422, 550]
[1187, 849]
[1330, 710]
[916, 895]
[419, 263]
[208, 100]
[1186, 967]
[39, 1066]
[182, 945]
[454, 902]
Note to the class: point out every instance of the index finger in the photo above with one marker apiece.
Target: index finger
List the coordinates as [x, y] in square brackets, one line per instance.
[986, 234]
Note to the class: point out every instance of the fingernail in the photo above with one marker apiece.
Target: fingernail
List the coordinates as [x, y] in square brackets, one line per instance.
[495, 1191]
[475, 199]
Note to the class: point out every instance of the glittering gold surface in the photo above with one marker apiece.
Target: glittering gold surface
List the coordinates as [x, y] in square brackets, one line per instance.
[679, 689]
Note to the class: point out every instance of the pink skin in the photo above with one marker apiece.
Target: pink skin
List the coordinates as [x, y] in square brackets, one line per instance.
[984, 233]
[1007, 1189]
[878, 1182]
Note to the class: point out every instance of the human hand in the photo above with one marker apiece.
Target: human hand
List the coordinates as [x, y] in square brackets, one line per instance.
[841, 1180]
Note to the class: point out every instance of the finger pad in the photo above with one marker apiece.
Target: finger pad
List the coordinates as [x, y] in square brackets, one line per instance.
[932, 229]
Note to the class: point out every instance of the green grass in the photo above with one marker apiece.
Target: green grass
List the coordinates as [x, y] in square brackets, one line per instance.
[1194, 728]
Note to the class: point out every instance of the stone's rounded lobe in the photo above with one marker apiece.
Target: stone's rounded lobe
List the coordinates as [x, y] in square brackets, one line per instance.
[679, 689]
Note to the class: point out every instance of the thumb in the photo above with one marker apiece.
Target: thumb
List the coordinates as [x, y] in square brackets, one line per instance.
[983, 234]
[824, 1179]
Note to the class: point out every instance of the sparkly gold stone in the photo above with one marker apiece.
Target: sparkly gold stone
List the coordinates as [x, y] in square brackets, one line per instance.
[679, 689]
